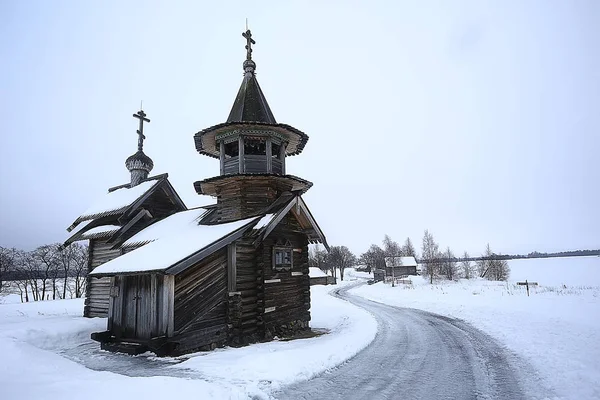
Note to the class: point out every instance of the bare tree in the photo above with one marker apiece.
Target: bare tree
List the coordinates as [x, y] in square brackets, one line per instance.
[341, 257]
[373, 258]
[47, 260]
[483, 265]
[499, 270]
[29, 270]
[66, 258]
[467, 267]
[430, 256]
[408, 249]
[7, 263]
[22, 281]
[449, 268]
[391, 247]
[492, 267]
[317, 257]
[79, 268]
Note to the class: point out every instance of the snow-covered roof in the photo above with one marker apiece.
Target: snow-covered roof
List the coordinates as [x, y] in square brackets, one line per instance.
[315, 272]
[100, 230]
[173, 224]
[171, 249]
[117, 200]
[404, 261]
[264, 221]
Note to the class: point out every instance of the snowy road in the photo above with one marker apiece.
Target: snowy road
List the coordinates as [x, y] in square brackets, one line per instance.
[418, 355]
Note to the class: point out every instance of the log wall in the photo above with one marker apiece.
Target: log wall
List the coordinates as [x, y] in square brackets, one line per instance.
[97, 290]
[247, 326]
[245, 197]
[285, 301]
[200, 305]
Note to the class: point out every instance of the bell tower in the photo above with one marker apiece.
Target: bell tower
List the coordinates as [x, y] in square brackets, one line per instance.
[251, 148]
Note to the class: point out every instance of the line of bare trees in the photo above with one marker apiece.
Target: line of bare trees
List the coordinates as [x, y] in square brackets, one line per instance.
[338, 258]
[436, 263]
[48, 272]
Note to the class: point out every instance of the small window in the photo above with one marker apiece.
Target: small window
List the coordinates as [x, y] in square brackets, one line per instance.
[282, 257]
[232, 149]
[255, 146]
[275, 150]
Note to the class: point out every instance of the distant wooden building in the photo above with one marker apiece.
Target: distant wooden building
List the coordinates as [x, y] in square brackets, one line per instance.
[317, 277]
[232, 273]
[399, 266]
[121, 213]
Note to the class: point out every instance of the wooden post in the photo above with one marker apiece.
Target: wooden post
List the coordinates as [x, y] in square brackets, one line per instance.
[269, 156]
[241, 155]
[231, 267]
[282, 157]
[222, 156]
[527, 285]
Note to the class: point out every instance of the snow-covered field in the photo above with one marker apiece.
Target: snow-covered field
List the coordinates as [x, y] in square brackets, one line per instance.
[556, 328]
[46, 352]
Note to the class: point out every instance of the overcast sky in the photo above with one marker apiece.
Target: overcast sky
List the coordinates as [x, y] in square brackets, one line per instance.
[479, 121]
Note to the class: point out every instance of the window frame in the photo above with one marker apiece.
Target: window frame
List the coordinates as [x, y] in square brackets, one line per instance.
[283, 267]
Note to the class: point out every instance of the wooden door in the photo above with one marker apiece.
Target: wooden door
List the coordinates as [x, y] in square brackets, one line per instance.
[137, 307]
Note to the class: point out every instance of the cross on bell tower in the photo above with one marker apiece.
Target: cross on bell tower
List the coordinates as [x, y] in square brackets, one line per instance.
[249, 43]
[139, 164]
[251, 148]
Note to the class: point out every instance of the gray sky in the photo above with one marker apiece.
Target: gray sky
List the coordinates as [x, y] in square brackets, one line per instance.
[479, 121]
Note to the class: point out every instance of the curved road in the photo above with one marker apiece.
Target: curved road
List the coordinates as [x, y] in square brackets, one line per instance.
[417, 355]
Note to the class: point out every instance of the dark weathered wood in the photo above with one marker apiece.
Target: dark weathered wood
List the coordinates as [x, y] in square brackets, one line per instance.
[242, 166]
[231, 267]
[222, 157]
[269, 155]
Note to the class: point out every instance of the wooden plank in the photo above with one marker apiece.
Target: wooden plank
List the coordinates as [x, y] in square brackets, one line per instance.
[231, 267]
[282, 157]
[222, 157]
[269, 155]
[169, 308]
[153, 309]
[242, 167]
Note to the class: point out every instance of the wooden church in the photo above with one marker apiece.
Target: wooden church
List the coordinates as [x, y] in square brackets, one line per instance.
[232, 273]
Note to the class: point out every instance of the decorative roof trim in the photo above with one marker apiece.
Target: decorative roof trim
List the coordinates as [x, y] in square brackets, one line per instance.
[296, 139]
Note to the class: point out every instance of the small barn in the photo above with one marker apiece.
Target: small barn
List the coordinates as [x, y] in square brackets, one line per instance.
[378, 275]
[196, 287]
[399, 266]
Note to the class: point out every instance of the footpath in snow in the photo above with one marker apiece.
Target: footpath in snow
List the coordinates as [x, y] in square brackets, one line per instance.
[47, 353]
[556, 328]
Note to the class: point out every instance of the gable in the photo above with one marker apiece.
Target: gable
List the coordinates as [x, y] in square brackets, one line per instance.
[129, 209]
[298, 209]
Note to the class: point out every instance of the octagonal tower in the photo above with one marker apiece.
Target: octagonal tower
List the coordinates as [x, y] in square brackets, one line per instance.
[251, 147]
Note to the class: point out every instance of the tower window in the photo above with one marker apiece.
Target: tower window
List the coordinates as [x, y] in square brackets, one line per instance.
[255, 146]
[232, 149]
[275, 150]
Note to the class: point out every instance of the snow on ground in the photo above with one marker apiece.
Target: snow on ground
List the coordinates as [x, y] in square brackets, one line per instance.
[557, 328]
[40, 341]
